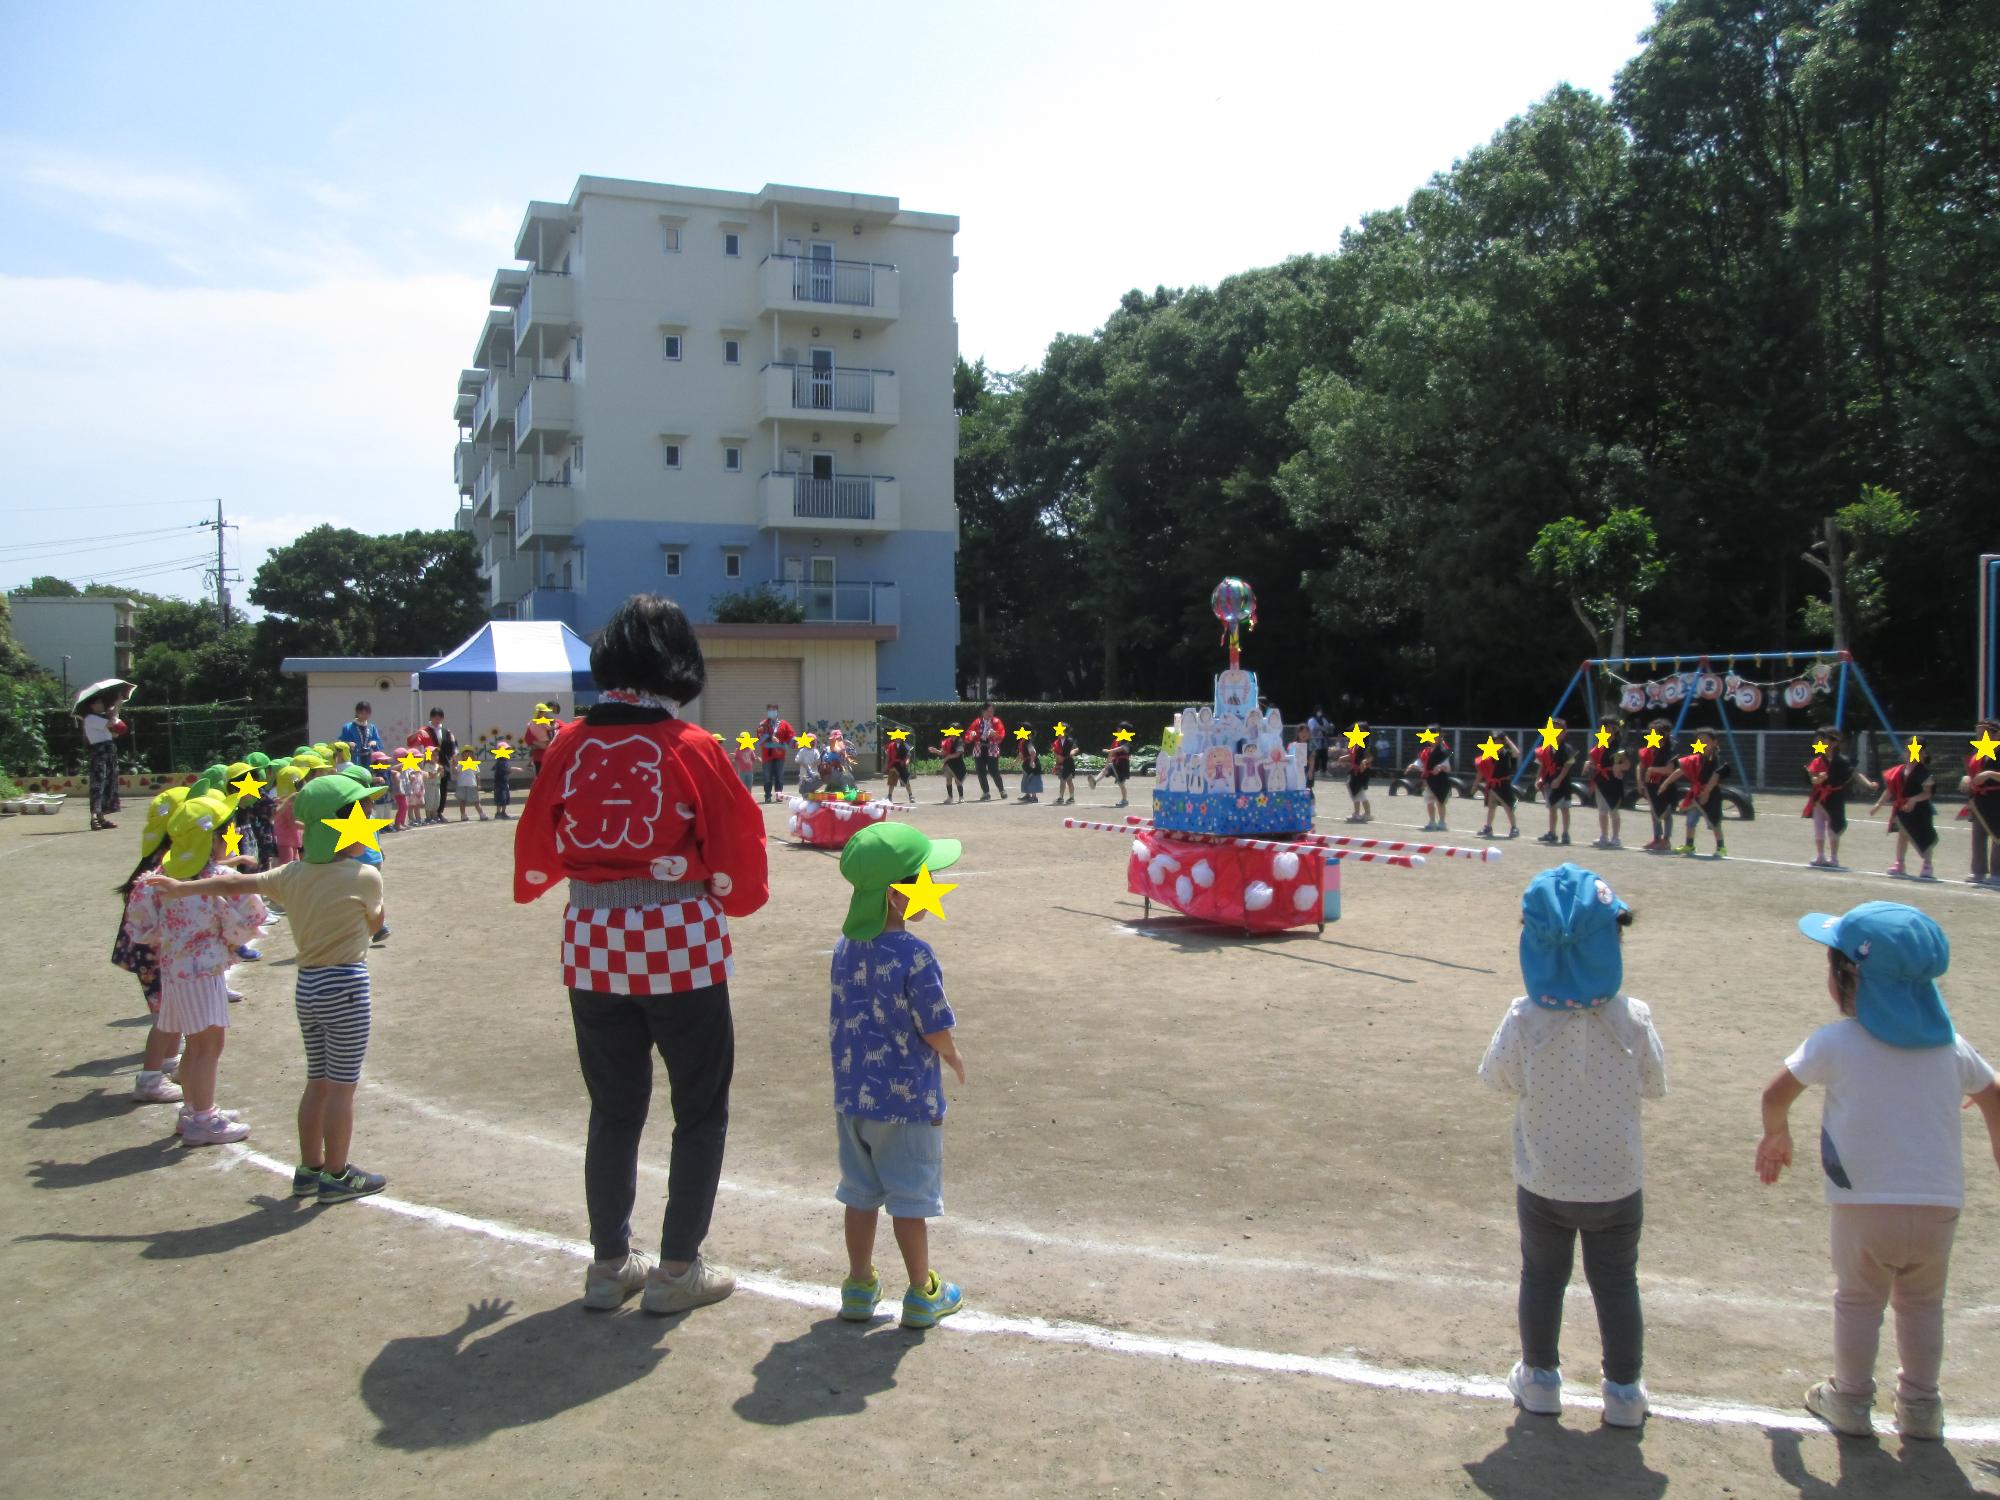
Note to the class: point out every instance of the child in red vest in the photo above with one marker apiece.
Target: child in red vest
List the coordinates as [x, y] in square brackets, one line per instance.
[1703, 771]
[1608, 767]
[1433, 767]
[1554, 766]
[1912, 818]
[1832, 774]
[1982, 807]
[1496, 780]
[896, 770]
[951, 749]
[1062, 751]
[1656, 764]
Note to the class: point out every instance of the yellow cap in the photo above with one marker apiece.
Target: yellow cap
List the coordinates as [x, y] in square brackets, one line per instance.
[193, 829]
[160, 812]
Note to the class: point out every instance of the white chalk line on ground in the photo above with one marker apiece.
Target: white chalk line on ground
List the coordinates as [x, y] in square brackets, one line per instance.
[1665, 1290]
[1346, 1370]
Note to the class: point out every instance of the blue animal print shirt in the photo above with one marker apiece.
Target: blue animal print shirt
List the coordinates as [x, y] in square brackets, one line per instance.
[886, 995]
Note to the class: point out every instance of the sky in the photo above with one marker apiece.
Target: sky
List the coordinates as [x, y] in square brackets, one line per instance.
[246, 249]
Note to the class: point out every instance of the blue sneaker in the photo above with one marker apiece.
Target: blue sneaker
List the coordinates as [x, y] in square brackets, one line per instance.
[305, 1181]
[858, 1298]
[352, 1183]
[248, 954]
[940, 1299]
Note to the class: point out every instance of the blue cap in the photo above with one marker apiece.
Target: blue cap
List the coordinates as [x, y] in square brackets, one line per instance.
[1570, 957]
[1900, 952]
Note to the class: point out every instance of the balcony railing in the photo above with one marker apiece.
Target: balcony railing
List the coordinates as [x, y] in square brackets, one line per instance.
[844, 497]
[547, 305]
[837, 389]
[839, 603]
[841, 283]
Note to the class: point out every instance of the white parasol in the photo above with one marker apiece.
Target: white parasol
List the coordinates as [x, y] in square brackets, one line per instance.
[84, 695]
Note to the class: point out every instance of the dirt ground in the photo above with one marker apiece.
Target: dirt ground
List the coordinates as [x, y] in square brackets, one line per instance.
[1232, 1217]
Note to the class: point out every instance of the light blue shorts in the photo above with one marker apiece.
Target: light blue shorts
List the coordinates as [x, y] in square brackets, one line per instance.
[888, 1164]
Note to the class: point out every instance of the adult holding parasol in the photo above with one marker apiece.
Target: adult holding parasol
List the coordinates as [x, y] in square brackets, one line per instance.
[97, 708]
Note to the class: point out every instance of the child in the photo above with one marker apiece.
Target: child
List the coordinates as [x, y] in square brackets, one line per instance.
[1702, 770]
[1118, 761]
[1579, 1055]
[951, 750]
[408, 785]
[467, 773]
[335, 901]
[1062, 752]
[1890, 1148]
[1433, 766]
[503, 770]
[1831, 774]
[284, 822]
[1656, 764]
[435, 772]
[890, 1023]
[1982, 807]
[192, 936]
[1912, 817]
[896, 769]
[808, 767]
[260, 810]
[1554, 766]
[1031, 767]
[1496, 778]
[1608, 765]
[746, 763]
[1360, 763]
[153, 1085]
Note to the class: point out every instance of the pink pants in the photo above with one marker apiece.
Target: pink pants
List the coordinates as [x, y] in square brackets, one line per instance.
[1890, 1255]
[402, 809]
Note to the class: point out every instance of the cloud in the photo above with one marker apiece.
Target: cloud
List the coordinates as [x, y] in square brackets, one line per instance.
[101, 180]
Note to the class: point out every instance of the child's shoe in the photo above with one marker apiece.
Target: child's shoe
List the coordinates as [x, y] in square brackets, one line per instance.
[1920, 1417]
[249, 955]
[153, 1088]
[1897, 869]
[211, 1129]
[352, 1183]
[1546, 838]
[1688, 847]
[1537, 1391]
[1843, 1413]
[381, 936]
[1486, 832]
[1624, 1405]
[305, 1181]
[922, 1309]
[1514, 833]
[697, 1286]
[1565, 841]
[608, 1283]
[1721, 850]
[1926, 873]
[858, 1298]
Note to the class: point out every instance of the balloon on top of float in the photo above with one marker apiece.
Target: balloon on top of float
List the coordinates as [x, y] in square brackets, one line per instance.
[1235, 605]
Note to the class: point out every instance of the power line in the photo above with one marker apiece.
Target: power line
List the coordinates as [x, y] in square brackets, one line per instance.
[25, 551]
[31, 510]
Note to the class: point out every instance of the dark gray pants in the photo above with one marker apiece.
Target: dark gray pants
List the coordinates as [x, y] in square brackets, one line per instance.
[989, 765]
[1610, 1263]
[615, 1039]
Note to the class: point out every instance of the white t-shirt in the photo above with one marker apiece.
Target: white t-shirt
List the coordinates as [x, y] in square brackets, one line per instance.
[1579, 1076]
[96, 729]
[1890, 1131]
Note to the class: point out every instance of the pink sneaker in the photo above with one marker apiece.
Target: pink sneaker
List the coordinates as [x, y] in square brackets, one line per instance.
[211, 1129]
[155, 1088]
[1897, 869]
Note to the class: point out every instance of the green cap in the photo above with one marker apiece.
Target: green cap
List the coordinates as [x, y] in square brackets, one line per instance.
[356, 772]
[326, 797]
[258, 760]
[303, 750]
[879, 856]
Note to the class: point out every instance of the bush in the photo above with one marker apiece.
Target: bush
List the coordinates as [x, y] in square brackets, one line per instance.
[756, 607]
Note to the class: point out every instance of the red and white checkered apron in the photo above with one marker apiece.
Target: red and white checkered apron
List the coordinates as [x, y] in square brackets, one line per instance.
[646, 950]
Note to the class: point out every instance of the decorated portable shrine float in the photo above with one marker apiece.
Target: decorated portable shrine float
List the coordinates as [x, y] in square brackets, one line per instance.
[827, 820]
[1230, 840]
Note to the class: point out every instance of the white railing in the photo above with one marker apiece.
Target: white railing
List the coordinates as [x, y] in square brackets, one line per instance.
[832, 389]
[843, 283]
[844, 497]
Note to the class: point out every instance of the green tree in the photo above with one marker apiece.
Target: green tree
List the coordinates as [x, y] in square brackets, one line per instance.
[45, 586]
[1603, 571]
[1865, 535]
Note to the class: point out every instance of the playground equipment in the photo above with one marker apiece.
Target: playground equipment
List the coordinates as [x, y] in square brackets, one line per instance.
[1988, 686]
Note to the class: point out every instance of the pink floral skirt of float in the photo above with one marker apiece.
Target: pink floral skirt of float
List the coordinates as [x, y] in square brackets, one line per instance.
[646, 950]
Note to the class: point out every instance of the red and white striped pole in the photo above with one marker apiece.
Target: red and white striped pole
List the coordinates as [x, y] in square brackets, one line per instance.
[1348, 843]
[1411, 861]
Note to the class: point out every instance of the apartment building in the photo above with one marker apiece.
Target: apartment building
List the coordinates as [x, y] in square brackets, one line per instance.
[78, 639]
[706, 394]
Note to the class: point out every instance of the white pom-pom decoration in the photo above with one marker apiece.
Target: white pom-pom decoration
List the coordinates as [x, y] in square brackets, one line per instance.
[721, 883]
[1257, 895]
[669, 867]
[793, 825]
[1140, 851]
[535, 877]
[842, 811]
[1156, 868]
[1183, 890]
[1286, 866]
[1203, 875]
[1303, 898]
[805, 832]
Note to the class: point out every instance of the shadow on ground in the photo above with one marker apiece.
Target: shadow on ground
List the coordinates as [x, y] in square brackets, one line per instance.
[102, 1067]
[830, 1370]
[98, 1104]
[1542, 1457]
[126, 1161]
[1870, 1467]
[268, 1218]
[449, 1390]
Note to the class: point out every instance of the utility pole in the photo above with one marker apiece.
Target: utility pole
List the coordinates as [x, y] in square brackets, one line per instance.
[221, 571]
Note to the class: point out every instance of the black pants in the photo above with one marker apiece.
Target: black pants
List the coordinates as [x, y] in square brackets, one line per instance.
[104, 779]
[1610, 1263]
[987, 765]
[615, 1038]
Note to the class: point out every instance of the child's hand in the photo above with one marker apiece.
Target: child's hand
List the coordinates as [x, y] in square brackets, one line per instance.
[957, 1064]
[1774, 1154]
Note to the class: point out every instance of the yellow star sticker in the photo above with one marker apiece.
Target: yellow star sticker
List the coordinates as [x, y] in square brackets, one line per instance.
[1603, 737]
[1427, 737]
[924, 894]
[409, 760]
[952, 733]
[1489, 748]
[899, 734]
[501, 752]
[232, 839]
[1986, 747]
[468, 764]
[248, 787]
[806, 740]
[1700, 747]
[1357, 736]
[746, 741]
[1020, 734]
[1551, 736]
[1122, 736]
[356, 827]
[541, 719]
[1654, 739]
[1062, 729]
[1819, 747]
[1916, 749]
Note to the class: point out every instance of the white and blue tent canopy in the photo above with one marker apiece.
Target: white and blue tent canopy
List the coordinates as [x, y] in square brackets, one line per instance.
[514, 656]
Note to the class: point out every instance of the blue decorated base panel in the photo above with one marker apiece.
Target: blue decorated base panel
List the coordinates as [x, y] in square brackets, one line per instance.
[1247, 814]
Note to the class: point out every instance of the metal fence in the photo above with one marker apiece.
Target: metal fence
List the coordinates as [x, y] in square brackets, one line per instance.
[172, 737]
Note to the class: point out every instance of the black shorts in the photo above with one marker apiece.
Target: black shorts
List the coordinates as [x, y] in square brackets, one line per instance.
[1835, 809]
[1557, 795]
[1611, 791]
[1711, 809]
[1120, 771]
[1502, 791]
[1919, 821]
[1357, 783]
[1439, 786]
[1655, 798]
[954, 767]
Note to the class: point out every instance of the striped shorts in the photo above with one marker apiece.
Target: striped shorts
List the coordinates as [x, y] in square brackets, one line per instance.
[333, 1018]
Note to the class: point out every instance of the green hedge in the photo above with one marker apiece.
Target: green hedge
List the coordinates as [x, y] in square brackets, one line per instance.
[1091, 723]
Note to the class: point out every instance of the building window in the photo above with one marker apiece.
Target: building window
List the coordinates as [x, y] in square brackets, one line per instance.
[732, 565]
[670, 346]
[673, 565]
[732, 243]
[670, 236]
[732, 352]
[671, 452]
[732, 460]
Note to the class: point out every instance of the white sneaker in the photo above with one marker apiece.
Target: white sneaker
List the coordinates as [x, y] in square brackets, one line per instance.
[697, 1286]
[1537, 1391]
[1624, 1405]
[154, 1088]
[231, 1115]
[1843, 1413]
[609, 1282]
[211, 1129]
[1920, 1417]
